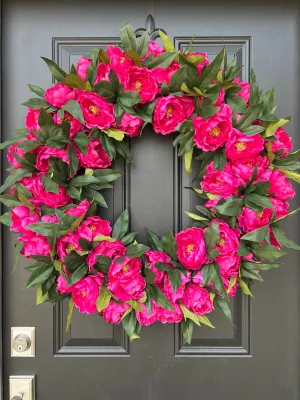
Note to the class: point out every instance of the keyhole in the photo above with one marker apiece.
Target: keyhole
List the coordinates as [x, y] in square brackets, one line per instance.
[20, 347]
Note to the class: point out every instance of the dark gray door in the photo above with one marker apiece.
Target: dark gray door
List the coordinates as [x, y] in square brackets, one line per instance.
[256, 359]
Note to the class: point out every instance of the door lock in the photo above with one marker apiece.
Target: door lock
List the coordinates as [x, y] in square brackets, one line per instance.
[22, 342]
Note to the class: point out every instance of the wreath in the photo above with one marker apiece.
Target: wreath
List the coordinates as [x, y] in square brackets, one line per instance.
[61, 162]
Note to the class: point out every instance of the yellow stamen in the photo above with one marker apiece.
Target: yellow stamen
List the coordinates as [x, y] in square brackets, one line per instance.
[215, 131]
[125, 268]
[240, 146]
[169, 111]
[92, 228]
[71, 246]
[83, 293]
[221, 242]
[137, 86]
[122, 59]
[190, 248]
[259, 214]
[94, 109]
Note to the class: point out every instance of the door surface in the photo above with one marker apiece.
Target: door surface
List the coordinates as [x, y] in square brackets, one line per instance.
[256, 359]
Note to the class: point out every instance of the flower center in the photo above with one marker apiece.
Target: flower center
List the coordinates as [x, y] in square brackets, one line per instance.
[68, 118]
[83, 293]
[240, 146]
[169, 111]
[215, 131]
[259, 214]
[71, 246]
[125, 268]
[122, 59]
[92, 228]
[138, 86]
[221, 242]
[190, 248]
[94, 109]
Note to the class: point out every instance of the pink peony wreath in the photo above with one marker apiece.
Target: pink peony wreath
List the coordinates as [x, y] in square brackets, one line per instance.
[61, 161]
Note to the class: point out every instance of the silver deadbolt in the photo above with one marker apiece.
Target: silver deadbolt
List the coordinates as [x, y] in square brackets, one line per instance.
[21, 343]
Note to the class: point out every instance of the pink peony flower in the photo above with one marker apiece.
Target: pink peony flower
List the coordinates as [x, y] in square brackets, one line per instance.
[191, 249]
[131, 125]
[229, 242]
[85, 293]
[105, 248]
[280, 207]
[96, 156]
[96, 111]
[169, 316]
[197, 299]
[170, 111]
[229, 265]
[118, 62]
[168, 289]
[61, 285]
[245, 89]
[75, 125]
[222, 182]
[153, 48]
[220, 99]
[44, 153]
[141, 80]
[113, 313]
[213, 133]
[32, 120]
[125, 281]
[66, 244]
[42, 197]
[250, 220]
[201, 64]
[280, 187]
[79, 210]
[244, 168]
[152, 257]
[284, 142]
[82, 67]
[244, 147]
[92, 227]
[49, 218]
[21, 216]
[165, 74]
[59, 95]
[13, 149]
[102, 73]
[143, 316]
[34, 244]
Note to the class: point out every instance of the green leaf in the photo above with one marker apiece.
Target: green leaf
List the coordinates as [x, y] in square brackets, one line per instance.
[210, 73]
[260, 200]
[282, 239]
[129, 323]
[74, 161]
[37, 90]
[258, 235]
[189, 314]
[129, 238]
[250, 274]
[8, 142]
[28, 145]
[211, 236]
[40, 297]
[103, 57]
[77, 275]
[136, 250]
[74, 109]
[121, 225]
[128, 38]
[69, 317]
[36, 104]
[43, 228]
[142, 46]
[205, 321]
[154, 240]
[83, 180]
[9, 201]
[135, 305]
[129, 98]
[15, 176]
[159, 297]
[273, 126]
[114, 133]
[49, 185]
[253, 130]
[163, 60]
[18, 248]
[265, 251]
[5, 219]
[174, 278]
[123, 149]
[188, 157]
[167, 42]
[94, 195]
[74, 81]
[245, 287]
[252, 114]
[231, 207]
[222, 305]
[216, 278]
[81, 141]
[40, 275]
[170, 245]
[237, 104]
[107, 90]
[260, 266]
[195, 216]
[55, 70]
[108, 145]
[187, 330]
[104, 299]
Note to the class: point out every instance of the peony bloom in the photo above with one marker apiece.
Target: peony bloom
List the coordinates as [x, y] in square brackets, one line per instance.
[280, 207]
[244, 147]
[32, 121]
[250, 220]
[152, 257]
[280, 187]
[118, 62]
[105, 248]
[59, 95]
[245, 89]
[96, 111]
[213, 133]
[144, 318]
[61, 285]
[66, 244]
[113, 313]
[96, 156]
[165, 74]
[229, 265]
[153, 48]
[92, 227]
[12, 150]
[85, 293]
[141, 80]
[168, 289]
[75, 125]
[34, 244]
[125, 281]
[21, 216]
[170, 111]
[197, 299]
[49, 218]
[42, 197]
[223, 183]
[169, 316]
[102, 73]
[79, 210]
[44, 153]
[131, 125]
[229, 242]
[191, 248]
[82, 67]
[284, 142]
[244, 168]
[202, 63]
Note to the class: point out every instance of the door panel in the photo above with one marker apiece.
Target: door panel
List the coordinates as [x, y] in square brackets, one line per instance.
[259, 356]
